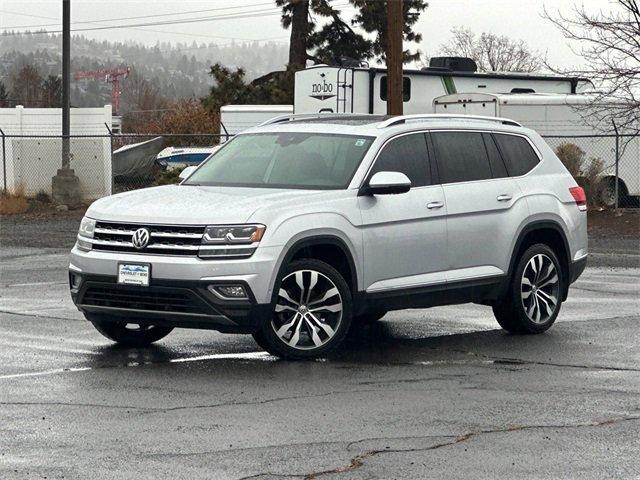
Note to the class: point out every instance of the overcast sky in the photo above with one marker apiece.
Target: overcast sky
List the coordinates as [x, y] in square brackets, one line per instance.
[519, 19]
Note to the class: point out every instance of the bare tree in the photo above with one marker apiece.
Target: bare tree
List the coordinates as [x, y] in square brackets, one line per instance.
[609, 42]
[492, 53]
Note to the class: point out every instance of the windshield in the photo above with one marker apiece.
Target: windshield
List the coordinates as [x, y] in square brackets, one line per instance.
[284, 160]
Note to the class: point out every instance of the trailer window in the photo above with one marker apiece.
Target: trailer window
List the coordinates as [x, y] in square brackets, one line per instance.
[517, 153]
[406, 88]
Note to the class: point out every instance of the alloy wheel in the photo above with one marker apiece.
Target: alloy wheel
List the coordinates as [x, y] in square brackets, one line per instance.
[540, 288]
[308, 310]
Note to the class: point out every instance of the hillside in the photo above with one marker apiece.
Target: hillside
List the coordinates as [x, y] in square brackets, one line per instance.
[176, 70]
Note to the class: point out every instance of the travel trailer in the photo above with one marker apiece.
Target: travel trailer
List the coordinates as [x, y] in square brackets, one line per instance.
[557, 115]
[235, 118]
[336, 89]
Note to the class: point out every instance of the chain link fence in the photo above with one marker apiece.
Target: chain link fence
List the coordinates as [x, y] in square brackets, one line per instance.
[597, 161]
[113, 163]
[105, 164]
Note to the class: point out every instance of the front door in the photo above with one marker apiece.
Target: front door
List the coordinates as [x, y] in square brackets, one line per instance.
[404, 235]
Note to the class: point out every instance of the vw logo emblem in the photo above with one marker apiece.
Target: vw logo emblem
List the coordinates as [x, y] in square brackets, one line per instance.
[140, 238]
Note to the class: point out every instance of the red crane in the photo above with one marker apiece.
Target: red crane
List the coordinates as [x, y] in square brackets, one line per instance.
[111, 75]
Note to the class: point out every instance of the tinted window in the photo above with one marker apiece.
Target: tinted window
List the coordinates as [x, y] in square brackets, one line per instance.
[406, 88]
[461, 156]
[406, 154]
[517, 153]
[498, 170]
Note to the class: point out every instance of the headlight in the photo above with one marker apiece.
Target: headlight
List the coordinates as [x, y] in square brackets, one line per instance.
[230, 241]
[87, 226]
[233, 234]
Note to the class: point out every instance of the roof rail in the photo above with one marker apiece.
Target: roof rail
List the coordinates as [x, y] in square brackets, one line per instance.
[436, 116]
[289, 117]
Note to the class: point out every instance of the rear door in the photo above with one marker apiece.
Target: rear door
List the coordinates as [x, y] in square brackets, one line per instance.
[484, 205]
[404, 235]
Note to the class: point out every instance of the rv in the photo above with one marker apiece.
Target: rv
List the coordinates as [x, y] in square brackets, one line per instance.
[336, 89]
[236, 118]
[559, 116]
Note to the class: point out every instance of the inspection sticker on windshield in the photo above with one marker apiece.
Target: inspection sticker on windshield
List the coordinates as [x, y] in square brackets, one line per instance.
[360, 142]
[134, 274]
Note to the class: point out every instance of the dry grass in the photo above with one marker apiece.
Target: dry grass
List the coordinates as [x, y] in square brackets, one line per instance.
[13, 203]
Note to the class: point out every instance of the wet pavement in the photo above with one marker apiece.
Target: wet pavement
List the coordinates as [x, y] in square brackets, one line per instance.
[422, 394]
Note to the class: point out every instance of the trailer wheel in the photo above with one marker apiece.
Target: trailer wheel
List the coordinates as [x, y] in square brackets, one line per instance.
[606, 193]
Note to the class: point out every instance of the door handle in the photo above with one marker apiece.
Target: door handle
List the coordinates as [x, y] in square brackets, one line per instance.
[503, 198]
[434, 205]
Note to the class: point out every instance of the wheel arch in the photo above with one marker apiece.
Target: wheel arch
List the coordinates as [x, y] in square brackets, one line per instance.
[321, 244]
[548, 232]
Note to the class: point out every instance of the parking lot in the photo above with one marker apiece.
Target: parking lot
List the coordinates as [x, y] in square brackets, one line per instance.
[422, 394]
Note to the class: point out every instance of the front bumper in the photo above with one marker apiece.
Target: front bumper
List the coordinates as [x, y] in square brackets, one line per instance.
[177, 294]
[175, 303]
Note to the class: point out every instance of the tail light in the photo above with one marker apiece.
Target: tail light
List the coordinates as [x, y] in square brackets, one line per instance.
[580, 197]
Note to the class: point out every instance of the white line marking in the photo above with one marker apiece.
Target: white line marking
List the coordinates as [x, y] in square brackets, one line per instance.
[218, 356]
[224, 356]
[34, 284]
[46, 372]
[49, 349]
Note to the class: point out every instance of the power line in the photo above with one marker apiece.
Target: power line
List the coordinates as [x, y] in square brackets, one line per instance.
[127, 18]
[234, 16]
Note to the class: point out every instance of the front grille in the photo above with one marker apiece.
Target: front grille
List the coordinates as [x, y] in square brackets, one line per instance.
[144, 298]
[164, 239]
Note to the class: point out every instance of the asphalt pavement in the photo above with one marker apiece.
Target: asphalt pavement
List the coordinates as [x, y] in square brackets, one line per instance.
[438, 393]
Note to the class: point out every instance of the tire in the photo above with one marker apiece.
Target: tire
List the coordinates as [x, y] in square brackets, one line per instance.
[607, 193]
[537, 282]
[126, 334]
[315, 324]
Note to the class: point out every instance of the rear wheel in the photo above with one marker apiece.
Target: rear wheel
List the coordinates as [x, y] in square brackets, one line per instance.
[130, 334]
[535, 294]
[312, 312]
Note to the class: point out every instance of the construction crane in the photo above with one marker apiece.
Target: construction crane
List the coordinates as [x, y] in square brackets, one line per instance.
[111, 75]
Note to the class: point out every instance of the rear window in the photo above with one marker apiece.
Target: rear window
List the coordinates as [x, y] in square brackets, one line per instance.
[517, 153]
[461, 156]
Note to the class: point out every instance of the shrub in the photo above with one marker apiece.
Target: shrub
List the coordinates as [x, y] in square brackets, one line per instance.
[13, 203]
[168, 177]
[586, 171]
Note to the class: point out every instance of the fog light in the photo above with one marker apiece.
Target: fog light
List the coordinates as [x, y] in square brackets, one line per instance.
[75, 280]
[228, 291]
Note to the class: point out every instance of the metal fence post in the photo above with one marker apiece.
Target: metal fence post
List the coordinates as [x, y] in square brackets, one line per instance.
[615, 128]
[4, 162]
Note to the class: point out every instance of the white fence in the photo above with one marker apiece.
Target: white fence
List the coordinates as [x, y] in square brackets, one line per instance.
[32, 149]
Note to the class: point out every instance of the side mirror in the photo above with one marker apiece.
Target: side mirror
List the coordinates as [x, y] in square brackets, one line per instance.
[186, 173]
[387, 183]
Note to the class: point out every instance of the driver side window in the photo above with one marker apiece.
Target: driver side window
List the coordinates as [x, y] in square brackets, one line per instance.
[406, 154]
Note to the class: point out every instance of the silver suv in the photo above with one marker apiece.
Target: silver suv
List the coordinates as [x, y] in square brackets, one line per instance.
[305, 227]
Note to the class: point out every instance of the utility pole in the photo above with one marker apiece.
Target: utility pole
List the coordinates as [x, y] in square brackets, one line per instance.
[394, 57]
[65, 187]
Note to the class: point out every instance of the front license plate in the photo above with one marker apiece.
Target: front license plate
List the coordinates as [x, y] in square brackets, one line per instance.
[134, 274]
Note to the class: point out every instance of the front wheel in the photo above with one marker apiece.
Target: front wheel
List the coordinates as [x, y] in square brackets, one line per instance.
[312, 312]
[534, 298]
[129, 334]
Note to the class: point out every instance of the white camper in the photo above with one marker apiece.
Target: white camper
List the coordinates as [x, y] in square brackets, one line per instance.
[559, 116]
[336, 89]
[236, 118]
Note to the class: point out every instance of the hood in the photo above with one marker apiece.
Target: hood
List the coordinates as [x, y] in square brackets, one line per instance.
[195, 205]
